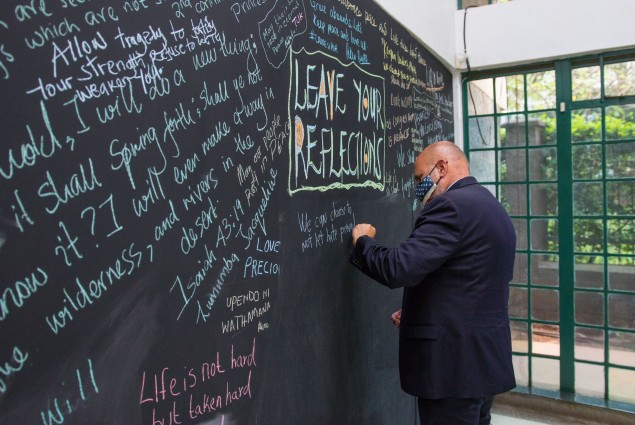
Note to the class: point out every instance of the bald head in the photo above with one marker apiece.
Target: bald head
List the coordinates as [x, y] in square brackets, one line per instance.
[445, 161]
[446, 150]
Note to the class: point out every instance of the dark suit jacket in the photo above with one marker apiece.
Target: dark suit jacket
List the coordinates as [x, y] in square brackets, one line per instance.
[455, 267]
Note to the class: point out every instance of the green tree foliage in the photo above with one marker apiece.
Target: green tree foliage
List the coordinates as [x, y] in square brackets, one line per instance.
[605, 171]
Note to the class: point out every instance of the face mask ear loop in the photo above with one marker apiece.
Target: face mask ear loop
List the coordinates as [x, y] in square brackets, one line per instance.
[429, 194]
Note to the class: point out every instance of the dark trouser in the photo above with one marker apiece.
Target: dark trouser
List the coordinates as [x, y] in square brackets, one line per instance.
[455, 411]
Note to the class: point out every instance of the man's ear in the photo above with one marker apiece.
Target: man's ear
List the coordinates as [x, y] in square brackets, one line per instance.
[442, 166]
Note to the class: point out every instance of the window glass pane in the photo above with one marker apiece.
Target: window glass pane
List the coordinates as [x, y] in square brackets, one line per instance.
[589, 344]
[518, 303]
[587, 199]
[586, 125]
[619, 79]
[514, 198]
[620, 160]
[510, 93]
[544, 235]
[521, 369]
[521, 269]
[621, 385]
[517, 144]
[622, 311]
[541, 90]
[545, 373]
[621, 197]
[542, 128]
[589, 380]
[480, 97]
[512, 165]
[520, 336]
[511, 130]
[520, 226]
[543, 164]
[544, 199]
[483, 165]
[622, 348]
[481, 132]
[585, 83]
[587, 162]
[621, 237]
[588, 235]
[589, 271]
[620, 122]
[544, 269]
[622, 274]
[544, 306]
[545, 339]
[589, 308]
[467, 3]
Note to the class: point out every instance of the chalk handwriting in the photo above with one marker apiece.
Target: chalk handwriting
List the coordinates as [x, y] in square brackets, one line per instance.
[6, 57]
[285, 21]
[228, 266]
[169, 385]
[159, 128]
[325, 157]
[79, 184]
[84, 294]
[21, 291]
[62, 409]
[188, 290]
[37, 147]
[327, 227]
[12, 366]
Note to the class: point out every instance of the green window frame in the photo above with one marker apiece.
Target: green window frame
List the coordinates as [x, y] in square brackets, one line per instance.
[467, 3]
[555, 143]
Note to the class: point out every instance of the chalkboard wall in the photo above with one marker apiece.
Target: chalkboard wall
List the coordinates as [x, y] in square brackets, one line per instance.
[178, 184]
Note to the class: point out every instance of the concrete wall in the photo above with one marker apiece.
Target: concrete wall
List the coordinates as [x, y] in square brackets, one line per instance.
[527, 31]
[432, 21]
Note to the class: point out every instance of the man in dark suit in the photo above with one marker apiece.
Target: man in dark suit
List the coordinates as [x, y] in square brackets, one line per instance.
[455, 267]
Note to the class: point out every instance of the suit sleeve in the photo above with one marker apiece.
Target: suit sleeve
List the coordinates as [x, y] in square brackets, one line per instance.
[435, 238]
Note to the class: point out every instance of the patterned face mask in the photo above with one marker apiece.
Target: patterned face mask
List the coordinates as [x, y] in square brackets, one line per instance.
[426, 187]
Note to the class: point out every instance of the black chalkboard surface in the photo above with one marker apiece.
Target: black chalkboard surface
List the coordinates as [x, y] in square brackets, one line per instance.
[178, 184]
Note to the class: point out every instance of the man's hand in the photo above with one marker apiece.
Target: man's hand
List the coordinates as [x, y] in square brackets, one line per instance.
[396, 318]
[363, 229]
